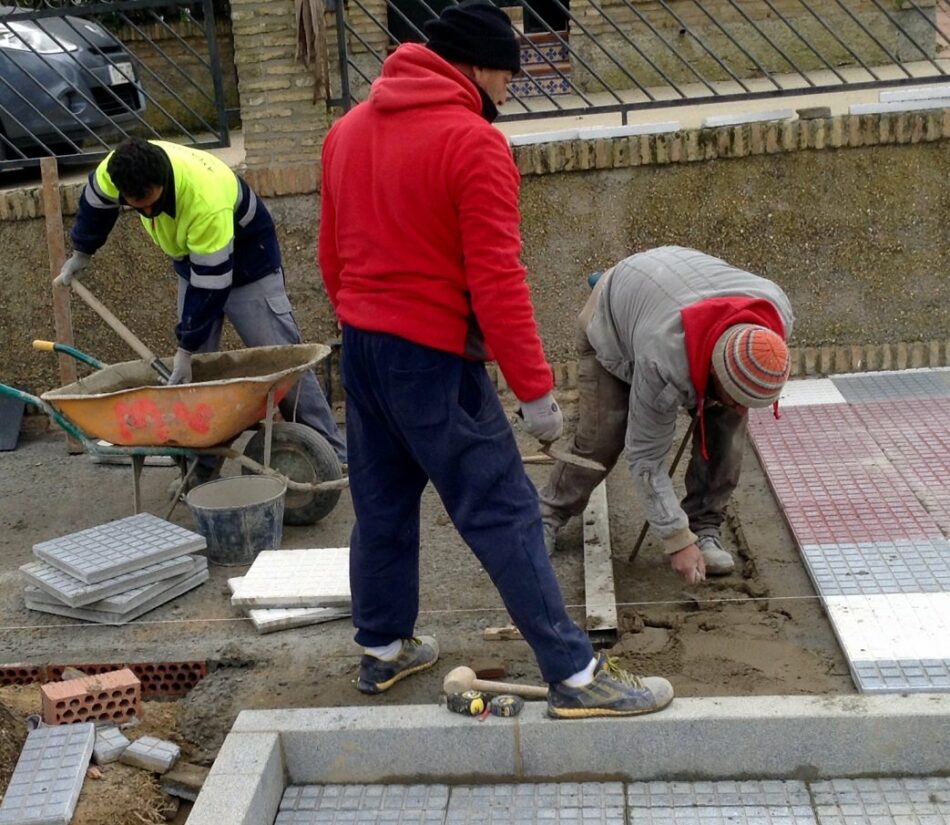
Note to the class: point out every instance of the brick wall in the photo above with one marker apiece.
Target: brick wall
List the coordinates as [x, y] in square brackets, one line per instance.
[284, 123]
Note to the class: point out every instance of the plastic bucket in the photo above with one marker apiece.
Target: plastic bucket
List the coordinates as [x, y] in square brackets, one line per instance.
[239, 516]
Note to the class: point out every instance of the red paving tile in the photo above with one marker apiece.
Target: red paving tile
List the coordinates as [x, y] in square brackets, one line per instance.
[833, 480]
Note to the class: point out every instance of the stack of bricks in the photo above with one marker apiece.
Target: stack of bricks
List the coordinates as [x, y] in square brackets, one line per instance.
[283, 112]
[106, 697]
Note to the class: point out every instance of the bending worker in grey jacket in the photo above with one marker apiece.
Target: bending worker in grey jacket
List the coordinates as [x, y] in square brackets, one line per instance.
[666, 329]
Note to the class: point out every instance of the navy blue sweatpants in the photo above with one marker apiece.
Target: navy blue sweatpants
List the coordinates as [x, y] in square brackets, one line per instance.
[415, 414]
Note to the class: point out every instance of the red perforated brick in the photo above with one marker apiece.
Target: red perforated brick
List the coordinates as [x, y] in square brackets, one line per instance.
[115, 697]
[21, 674]
[160, 680]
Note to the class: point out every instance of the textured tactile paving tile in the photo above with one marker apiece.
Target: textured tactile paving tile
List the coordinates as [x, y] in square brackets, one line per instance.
[888, 676]
[110, 744]
[860, 388]
[761, 793]
[904, 627]
[810, 391]
[75, 593]
[368, 804]
[296, 578]
[751, 815]
[915, 437]
[151, 753]
[916, 801]
[108, 550]
[47, 779]
[128, 600]
[102, 617]
[267, 620]
[834, 482]
[533, 804]
[903, 566]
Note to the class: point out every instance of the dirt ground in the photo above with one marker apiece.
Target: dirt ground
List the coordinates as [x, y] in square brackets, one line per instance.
[761, 631]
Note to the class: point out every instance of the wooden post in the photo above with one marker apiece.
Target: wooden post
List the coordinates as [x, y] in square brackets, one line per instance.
[62, 318]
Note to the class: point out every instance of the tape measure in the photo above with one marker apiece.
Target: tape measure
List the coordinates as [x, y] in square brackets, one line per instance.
[470, 703]
[506, 705]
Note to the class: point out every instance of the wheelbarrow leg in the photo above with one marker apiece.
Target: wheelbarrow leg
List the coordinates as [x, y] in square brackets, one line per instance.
[138, 462]
[269, 428]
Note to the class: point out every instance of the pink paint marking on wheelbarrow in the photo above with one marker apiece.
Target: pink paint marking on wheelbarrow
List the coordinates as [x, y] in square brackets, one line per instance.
[125, 404]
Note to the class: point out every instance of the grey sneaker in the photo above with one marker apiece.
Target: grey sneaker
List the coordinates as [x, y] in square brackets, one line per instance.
[614, 692]
[550, 538]
[417, 653]
[719, 562]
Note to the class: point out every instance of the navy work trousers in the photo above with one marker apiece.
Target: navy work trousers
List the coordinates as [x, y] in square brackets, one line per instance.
[414, 415]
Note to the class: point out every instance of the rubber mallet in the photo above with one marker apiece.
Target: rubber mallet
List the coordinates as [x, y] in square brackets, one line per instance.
[460, 679]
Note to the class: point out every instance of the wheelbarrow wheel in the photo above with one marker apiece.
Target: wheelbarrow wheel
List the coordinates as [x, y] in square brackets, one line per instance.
[301, 454]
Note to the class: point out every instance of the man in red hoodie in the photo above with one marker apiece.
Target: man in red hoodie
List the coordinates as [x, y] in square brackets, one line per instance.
[665, 330]
[420, 253]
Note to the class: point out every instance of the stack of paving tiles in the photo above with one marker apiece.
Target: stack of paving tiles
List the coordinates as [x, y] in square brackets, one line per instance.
[294, 588]
[860, 464]
[115, 572]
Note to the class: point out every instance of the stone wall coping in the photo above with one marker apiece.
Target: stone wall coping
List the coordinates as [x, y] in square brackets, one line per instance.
[577, 155]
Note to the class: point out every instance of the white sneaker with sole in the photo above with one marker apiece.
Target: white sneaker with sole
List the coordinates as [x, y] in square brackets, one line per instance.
[719, 562]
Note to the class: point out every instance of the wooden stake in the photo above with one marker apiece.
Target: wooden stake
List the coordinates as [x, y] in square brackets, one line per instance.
[62, 318]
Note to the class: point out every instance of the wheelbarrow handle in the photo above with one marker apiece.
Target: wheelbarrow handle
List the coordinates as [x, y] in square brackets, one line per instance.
[66, 349]
[121, 329]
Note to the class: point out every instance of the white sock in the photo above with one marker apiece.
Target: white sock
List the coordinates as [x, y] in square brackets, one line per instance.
[582, 677]
[387, 652]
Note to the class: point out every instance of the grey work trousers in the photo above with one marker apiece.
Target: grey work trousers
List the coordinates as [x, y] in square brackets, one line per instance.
[600, 434]
[261, 314]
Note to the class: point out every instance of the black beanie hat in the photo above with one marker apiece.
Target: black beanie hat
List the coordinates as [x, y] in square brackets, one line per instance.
[475, 33]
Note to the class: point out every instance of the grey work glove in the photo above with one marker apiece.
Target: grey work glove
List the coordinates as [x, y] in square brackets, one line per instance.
[75, 264]
[181, 368]
[542, 418]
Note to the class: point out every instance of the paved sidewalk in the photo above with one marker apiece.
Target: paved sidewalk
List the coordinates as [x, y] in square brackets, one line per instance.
[911, 801]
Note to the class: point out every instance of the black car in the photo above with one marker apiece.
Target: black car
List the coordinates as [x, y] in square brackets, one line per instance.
[63, 80]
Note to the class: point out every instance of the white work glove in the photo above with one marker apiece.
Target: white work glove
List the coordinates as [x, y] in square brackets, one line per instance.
[181, 368]
[542, 418]
[75, 264]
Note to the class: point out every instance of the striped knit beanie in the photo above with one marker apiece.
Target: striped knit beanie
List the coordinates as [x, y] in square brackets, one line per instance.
[752, 364]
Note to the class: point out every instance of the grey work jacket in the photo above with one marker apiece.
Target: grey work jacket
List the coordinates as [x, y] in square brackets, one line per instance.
[637, 333]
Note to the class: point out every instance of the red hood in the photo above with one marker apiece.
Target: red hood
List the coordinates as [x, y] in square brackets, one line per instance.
[414, 76]
[704, 322]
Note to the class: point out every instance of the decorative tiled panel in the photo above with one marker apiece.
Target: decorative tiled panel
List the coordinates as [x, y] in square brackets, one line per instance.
[540, 86]
[902, 566]
[894, 386]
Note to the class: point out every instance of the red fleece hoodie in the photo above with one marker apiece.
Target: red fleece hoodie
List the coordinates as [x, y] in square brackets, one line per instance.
[704, 322]
[419, 232]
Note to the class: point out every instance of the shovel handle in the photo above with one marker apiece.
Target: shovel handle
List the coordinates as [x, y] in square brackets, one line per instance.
[121, 329]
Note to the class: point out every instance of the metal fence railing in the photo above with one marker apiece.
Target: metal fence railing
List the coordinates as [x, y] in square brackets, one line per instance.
[76, 77]
[588, 56]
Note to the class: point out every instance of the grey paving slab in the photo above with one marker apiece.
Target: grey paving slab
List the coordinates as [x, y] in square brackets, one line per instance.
[101, 617]
[151, 753]
[887, 801]
[271, 619]
[866, 568]
[108, 550]
[128, 600]
[371, 797]
[48, 777]
[892, 676]
[110, 744]
[739, 118]
[763, 793]
[752, 815]
[893, 386]
[75, 593]
[546, 802]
